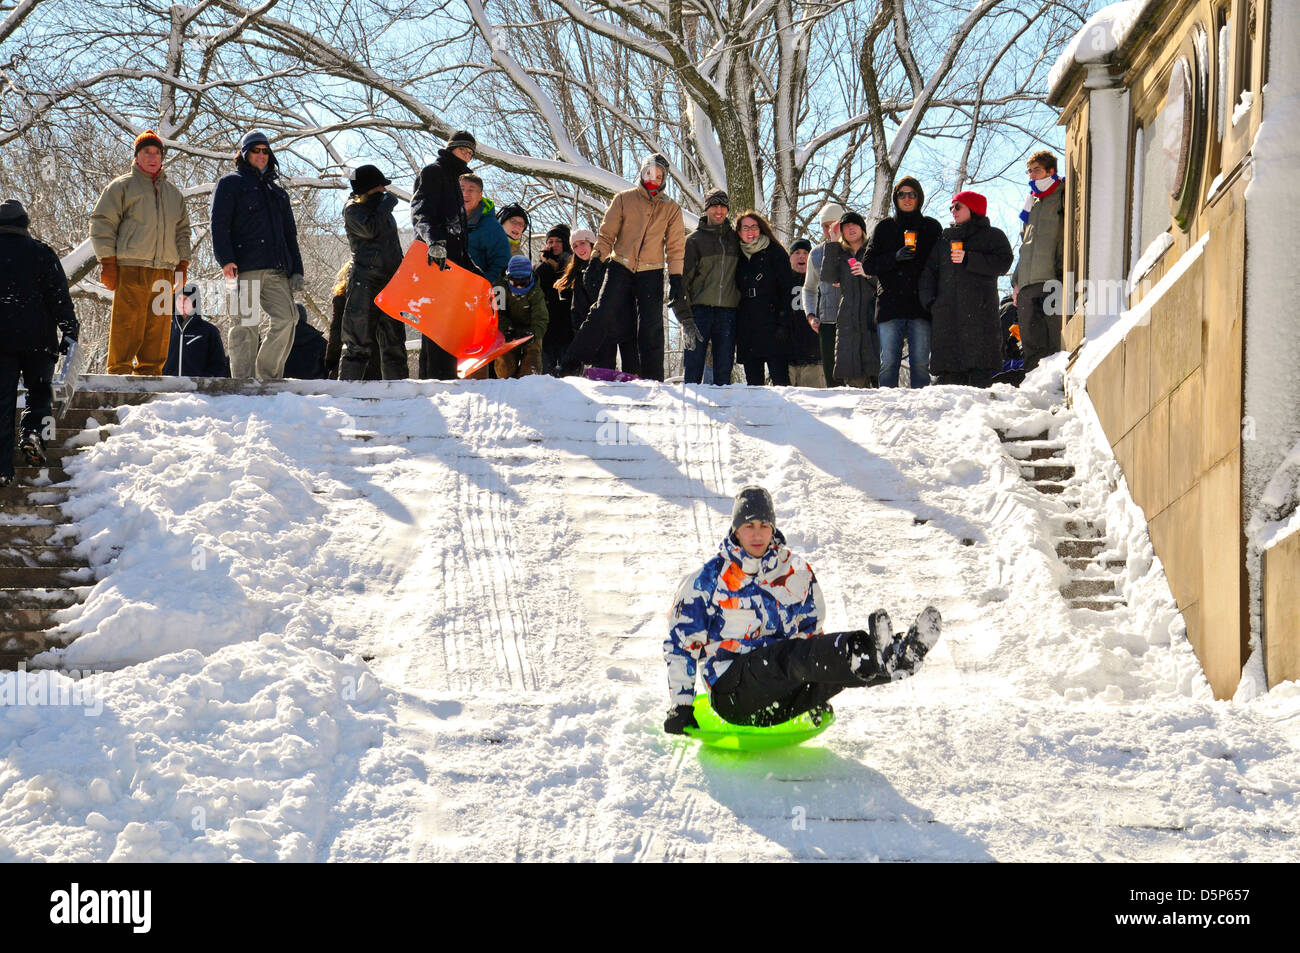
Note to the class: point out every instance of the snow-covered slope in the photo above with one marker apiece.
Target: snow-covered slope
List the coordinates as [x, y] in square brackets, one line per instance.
[424, 621]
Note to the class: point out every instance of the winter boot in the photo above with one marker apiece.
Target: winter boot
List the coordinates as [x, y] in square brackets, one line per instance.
[5, 481]
[33, 448]
[904, 656]
[819, 712]
[866, 648]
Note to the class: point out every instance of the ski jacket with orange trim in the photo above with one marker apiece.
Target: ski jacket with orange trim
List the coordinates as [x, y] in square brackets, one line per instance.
[736, 604]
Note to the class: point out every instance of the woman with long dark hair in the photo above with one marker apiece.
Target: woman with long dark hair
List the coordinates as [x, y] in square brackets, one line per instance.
[763, 316]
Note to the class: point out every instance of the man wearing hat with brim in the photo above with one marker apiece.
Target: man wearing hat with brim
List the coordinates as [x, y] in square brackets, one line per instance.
[255, 241]
[438, 218]
[140, 231]
[376, 256]
[821, 299]
[709, 281]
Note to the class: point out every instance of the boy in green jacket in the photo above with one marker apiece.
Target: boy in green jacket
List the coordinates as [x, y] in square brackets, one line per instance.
[525, 313]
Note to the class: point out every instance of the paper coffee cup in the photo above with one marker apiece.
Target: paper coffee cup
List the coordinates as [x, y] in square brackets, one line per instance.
[909, 239]
[956, 246]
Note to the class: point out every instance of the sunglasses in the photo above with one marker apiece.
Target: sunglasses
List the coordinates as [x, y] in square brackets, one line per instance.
[259, 151]
[520, 282]
[908, 195]
[954, 206]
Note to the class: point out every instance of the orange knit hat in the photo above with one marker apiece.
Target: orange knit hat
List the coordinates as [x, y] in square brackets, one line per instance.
[148, 138]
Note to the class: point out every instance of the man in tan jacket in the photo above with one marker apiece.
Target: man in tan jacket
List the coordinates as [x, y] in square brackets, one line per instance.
[140, 230]
[641, 233]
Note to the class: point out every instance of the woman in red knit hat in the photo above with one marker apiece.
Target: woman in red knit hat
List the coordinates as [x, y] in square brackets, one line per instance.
[960, 287]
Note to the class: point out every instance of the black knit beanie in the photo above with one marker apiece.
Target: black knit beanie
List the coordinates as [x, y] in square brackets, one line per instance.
[753, 503]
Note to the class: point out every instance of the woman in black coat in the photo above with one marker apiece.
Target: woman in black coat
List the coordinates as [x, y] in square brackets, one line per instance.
[857, 339]
[763, 317]
[960, 287]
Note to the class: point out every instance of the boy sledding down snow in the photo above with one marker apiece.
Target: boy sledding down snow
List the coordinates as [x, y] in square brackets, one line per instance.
[753, 615]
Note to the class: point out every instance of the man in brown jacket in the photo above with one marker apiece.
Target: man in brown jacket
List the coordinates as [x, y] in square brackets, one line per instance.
[140, 230]
[642, 232]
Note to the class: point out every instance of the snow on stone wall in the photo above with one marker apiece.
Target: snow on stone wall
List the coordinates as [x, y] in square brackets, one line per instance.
[1272, 399]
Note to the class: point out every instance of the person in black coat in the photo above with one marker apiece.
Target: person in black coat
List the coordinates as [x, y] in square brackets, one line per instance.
[307, 359]
[35, 309]
[804, 355]
[960, 287]
[572, 290]
[897, 251]
[438, 219]
[763, 316]
[376, 256]
[556, 256]
[857, 340]
[195, 349]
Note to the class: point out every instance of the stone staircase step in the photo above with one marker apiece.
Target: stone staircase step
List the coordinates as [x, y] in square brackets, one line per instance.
[1046, 471]
[1048, 487]
[1041, 438]
[26, 533]
[76, 418]
[44, 577]
[64, 434]
[18, 504]
[1079, 547]
[52, 473]
[1083, 529]
[1098, 605]
[18, 598]
[110, 398]
[1082, 564]
[1087, 588]
[39, 556]
[1024, 450]
[27, 620]
[27, 644]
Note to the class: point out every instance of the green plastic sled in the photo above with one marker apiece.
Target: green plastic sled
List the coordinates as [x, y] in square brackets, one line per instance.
[716, 733]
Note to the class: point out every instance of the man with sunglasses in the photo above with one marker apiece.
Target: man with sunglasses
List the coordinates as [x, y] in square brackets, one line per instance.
[255, 241]
[896, 253]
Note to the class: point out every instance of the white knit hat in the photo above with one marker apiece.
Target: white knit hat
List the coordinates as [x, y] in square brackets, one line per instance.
[582, 235]
[833, 212]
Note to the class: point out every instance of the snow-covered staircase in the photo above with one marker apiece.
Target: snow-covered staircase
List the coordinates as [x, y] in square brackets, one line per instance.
[1094, 580]
[39, 572]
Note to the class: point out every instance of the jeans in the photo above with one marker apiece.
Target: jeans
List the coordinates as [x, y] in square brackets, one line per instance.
[892, 333]
[718, 325]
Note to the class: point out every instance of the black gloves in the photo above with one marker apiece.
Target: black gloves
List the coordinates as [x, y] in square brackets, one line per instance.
[593, 277]
[905, 254]
[438, 255]
[674, 287]
[65, 345]
[679, 719]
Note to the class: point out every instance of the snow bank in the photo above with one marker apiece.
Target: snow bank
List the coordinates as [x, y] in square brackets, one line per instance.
[424, 621]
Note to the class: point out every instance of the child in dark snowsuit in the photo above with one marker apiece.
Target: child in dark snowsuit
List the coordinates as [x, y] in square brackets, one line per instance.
[753, 617]
[524, 314]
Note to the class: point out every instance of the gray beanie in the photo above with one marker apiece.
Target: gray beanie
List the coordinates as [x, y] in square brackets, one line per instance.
[716, 197]
[753, 503]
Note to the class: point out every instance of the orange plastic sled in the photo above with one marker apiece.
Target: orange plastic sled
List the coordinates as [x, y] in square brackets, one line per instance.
[454, 308]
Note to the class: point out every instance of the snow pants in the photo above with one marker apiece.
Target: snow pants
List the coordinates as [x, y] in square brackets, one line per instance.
[630, 307]
[365, 329]
[775, 683]
[37, 370]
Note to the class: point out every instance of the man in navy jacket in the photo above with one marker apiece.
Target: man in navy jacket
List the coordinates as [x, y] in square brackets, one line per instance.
[255, 241]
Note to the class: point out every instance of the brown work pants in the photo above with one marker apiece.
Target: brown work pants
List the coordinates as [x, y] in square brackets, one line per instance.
[139, 329]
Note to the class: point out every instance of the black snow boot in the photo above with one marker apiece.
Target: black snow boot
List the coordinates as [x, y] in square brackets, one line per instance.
[33, 448]
[903, 657]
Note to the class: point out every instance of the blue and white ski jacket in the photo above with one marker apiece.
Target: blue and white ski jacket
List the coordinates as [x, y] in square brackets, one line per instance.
[735, 604]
